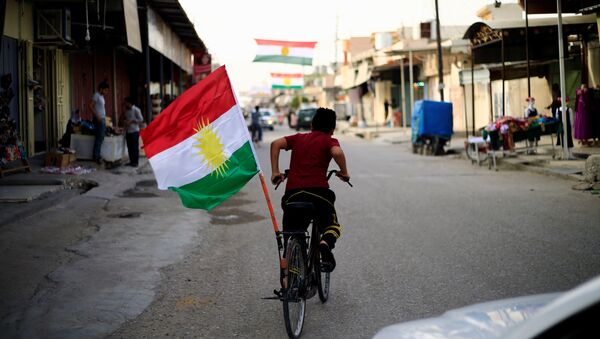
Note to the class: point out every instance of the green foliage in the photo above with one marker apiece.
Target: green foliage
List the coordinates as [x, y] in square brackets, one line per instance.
[296, 102]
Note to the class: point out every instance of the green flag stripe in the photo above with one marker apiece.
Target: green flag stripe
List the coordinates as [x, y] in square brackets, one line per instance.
[213, 189]
[284, 86]
[284, 59]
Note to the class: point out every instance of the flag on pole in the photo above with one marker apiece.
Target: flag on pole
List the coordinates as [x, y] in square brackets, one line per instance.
[287, 52]
[199, 146]
[287, 80]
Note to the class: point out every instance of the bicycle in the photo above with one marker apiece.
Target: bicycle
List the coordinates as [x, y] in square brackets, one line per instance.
[301, 276]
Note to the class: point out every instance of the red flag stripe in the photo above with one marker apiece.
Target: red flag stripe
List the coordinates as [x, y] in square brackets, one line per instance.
[286, 75]
[205, 101]
[304, 44]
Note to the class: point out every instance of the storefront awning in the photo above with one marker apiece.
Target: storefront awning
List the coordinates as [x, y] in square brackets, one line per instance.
[486, 38]
[548, 7]
[357, 76]
[132, 24]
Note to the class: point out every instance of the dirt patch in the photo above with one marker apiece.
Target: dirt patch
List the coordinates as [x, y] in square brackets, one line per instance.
[232, 216]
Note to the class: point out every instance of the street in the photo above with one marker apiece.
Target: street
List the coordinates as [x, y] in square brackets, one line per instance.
[420, 235]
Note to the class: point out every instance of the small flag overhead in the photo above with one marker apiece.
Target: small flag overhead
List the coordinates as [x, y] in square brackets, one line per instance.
[287, 52]
[199, 145]
[285, 80]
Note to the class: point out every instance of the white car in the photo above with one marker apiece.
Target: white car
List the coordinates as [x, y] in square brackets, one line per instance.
[572, 314]
[267, 119]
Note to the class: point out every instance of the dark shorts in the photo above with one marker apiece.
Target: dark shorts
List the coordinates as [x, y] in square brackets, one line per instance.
[325, 216]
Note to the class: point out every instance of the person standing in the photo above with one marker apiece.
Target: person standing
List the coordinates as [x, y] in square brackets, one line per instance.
[133, 120]
[98, 107]
[255, 126]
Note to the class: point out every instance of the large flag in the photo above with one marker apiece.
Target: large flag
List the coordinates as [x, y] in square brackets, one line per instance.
[287, 52]
[287, 80]
[199, 145]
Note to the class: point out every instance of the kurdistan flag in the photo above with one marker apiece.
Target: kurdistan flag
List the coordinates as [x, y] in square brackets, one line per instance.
[285, 80]
[199, 146]
[287, 52]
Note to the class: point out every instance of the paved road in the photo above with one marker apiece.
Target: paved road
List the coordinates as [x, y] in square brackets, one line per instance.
[420, 235]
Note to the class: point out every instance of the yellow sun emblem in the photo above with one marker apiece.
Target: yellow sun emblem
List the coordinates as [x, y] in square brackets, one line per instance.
[211, 148]
[285, 50]
[287, 82]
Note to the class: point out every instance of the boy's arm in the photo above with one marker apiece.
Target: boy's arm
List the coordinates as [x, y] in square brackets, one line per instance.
[340, 159]
[276, 147]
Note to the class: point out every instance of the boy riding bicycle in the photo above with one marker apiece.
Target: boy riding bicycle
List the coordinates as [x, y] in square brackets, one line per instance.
[307, 177]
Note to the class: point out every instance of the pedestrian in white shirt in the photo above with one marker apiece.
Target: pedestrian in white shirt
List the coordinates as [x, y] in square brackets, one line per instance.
[98, 108]
[133, 120]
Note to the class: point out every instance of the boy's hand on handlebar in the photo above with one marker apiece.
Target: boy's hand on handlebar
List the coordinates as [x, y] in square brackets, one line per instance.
[343, 176]
[277, 178]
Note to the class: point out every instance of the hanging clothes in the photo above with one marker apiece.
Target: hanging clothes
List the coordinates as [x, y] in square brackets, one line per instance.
[594, 109]
[560, 135]
[583, 127]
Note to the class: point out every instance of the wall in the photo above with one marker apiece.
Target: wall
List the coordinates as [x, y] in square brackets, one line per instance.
[482, 107]
[516, 93]
[382, 92]
[18, 22]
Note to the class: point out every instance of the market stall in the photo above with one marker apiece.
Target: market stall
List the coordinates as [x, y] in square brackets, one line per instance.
[113, 148]
[507, 131]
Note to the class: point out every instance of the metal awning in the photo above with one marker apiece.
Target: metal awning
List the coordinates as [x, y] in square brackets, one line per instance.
[172, 12]
[548, 7]
[487, 38]
[357, 76]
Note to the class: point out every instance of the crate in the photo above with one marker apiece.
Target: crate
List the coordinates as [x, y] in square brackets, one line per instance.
[61, 160]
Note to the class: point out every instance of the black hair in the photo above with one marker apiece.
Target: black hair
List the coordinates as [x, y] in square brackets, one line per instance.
[103, 85]
[324, 120]
[129, 100]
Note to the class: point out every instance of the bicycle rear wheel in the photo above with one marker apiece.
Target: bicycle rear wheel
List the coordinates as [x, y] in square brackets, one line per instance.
[294, 301]
[323, 282]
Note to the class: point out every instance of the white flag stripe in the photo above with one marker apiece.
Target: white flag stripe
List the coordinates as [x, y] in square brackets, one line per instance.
[293, 51]
[288, 81]
[181, 164]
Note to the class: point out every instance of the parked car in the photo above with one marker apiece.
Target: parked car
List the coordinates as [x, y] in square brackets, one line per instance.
[571, 314]
[267, 119]
[304, 118]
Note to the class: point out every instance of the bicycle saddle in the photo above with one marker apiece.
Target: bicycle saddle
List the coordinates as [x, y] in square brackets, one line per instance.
[300, 205]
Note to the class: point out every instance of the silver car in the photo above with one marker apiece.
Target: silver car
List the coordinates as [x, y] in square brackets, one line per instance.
[571, 314]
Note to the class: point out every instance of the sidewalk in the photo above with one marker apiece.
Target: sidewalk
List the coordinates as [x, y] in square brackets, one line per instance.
[23, 194]
[543, 162]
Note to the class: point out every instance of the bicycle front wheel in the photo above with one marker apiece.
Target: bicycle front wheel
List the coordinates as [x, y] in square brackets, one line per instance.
[294, 301]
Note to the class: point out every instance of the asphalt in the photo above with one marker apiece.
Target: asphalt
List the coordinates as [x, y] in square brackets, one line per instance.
[23, 194]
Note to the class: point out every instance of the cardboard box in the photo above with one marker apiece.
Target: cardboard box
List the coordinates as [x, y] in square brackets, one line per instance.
[61, 160]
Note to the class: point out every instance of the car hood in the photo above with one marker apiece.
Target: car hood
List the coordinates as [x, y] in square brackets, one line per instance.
[486, 320]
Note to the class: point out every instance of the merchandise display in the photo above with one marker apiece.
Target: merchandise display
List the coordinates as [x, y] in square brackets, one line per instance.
[508, 130]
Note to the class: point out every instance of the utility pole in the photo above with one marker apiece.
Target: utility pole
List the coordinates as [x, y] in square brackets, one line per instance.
[439, 51]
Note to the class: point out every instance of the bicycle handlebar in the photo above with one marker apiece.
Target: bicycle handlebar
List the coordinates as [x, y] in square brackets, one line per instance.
[331, 172]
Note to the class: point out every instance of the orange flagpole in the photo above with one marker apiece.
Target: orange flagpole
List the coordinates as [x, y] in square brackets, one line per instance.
[269, 204]
[282, 261]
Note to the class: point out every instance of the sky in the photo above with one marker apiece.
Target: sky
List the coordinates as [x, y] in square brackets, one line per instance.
[228, 28]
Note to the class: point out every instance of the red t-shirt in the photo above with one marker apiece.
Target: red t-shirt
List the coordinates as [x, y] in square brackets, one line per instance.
[311, 154]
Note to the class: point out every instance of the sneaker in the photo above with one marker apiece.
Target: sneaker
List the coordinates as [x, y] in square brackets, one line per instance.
[327, 259]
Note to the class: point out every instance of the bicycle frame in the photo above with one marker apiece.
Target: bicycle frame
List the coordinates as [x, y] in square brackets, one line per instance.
[309, 245]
